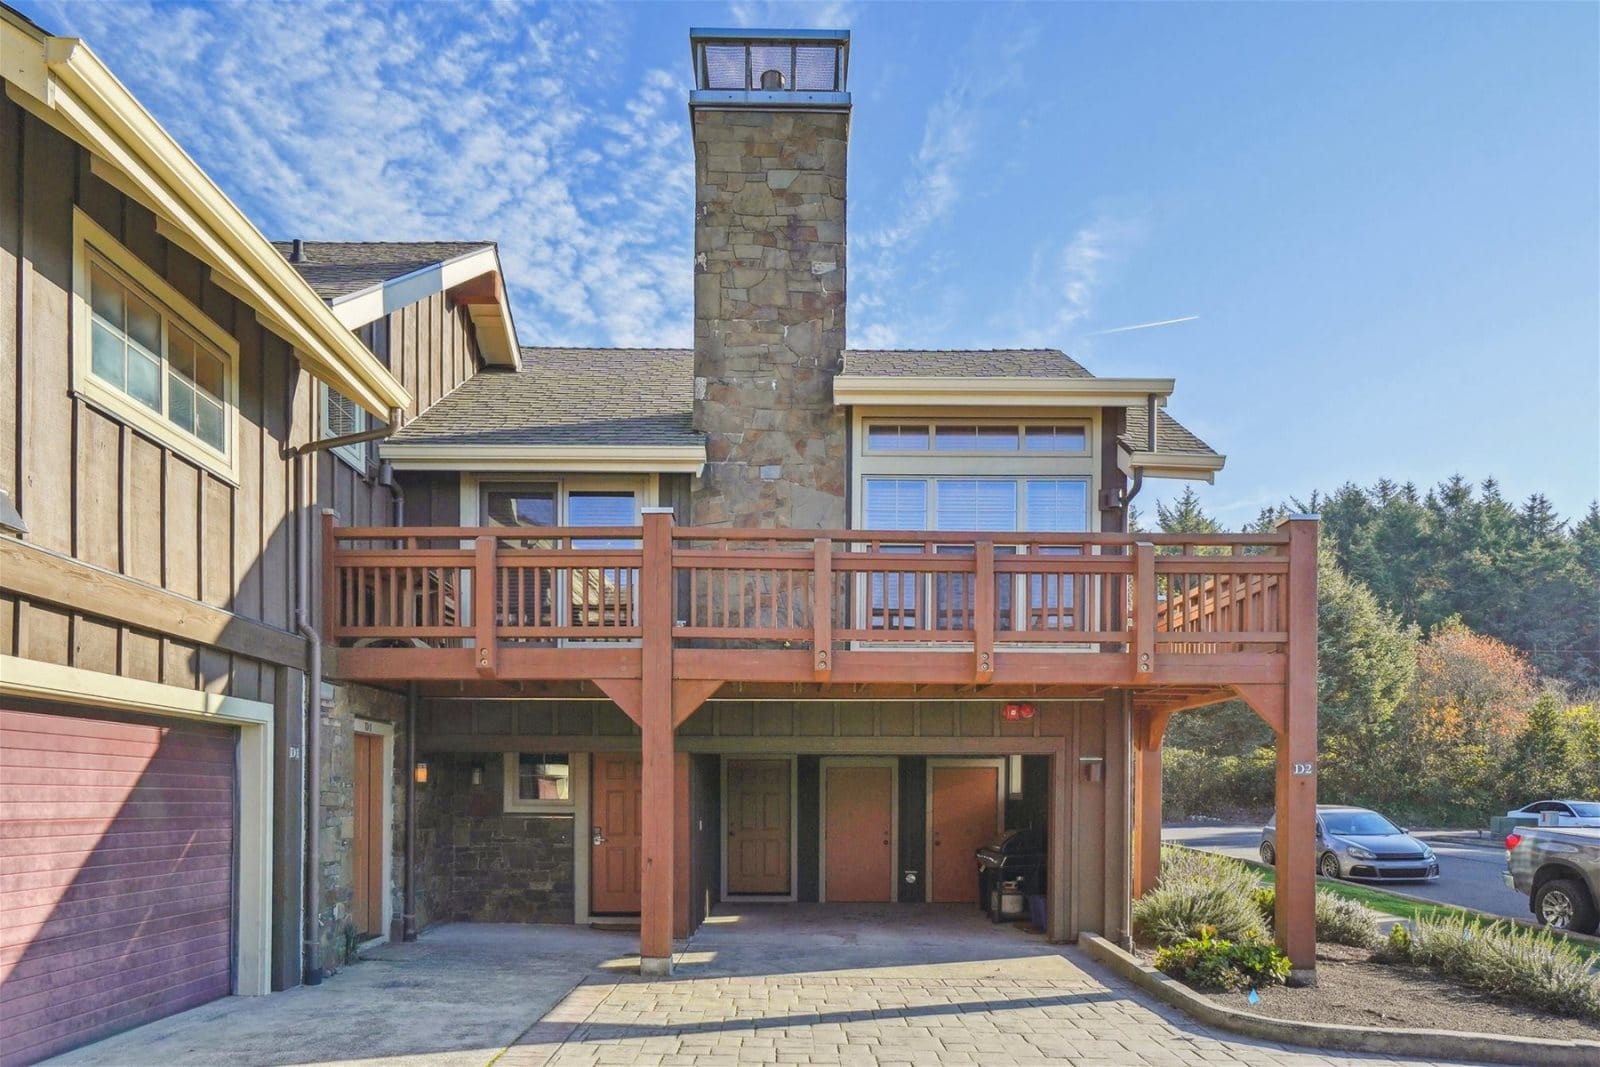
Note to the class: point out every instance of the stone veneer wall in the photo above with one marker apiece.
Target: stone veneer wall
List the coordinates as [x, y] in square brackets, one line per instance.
[351, 702]
[769, 326]
[480, 864]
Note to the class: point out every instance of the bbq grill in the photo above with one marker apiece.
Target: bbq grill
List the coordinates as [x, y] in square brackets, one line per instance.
[1016, 856]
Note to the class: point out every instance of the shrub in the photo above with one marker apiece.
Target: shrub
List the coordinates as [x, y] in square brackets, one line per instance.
[1206, 783]
[1178, 909]
[1340, 921]
[1211, 962]
[1191, 865]
[1532, 967]
[1396, 948]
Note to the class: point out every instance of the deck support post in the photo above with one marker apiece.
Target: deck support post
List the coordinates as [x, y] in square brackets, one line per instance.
[1296, 783]
[658, 785]
[1149, 730]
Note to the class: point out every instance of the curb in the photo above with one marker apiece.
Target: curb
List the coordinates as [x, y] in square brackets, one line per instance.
[1429, 1044]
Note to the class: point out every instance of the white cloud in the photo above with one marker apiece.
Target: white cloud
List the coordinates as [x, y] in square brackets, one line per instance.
[503, 122]
[1066, 281]
[771, 14]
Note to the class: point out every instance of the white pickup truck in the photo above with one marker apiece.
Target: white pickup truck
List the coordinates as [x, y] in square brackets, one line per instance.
[1558, 867]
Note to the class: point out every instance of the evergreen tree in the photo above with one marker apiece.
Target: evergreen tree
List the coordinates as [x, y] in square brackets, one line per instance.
[1185, 515]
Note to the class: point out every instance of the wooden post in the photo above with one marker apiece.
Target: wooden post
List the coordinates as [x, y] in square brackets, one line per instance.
[1059, 813]
[1144, 609]
[822, 611]
[983, 611]
[483, 605]
[658, 792]
[1149, 728]
[1296, 787]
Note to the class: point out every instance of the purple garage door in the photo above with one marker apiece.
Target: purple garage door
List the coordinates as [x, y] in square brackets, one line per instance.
[116, 874]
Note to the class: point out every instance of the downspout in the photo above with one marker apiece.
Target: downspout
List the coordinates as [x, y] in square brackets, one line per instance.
[313, 708]
[408, 916]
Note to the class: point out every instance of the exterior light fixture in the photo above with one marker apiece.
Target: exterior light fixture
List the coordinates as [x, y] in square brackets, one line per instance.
[477, 774]
[421, 773]
[1018, 712]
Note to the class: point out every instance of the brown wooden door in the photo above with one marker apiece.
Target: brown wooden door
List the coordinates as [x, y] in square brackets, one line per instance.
[366, 903]
[966, 814]
[858, 832]
[116, 874]
[614, 862]
[758, 826]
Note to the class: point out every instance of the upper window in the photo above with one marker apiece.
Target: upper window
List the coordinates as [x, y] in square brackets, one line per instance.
[341, 416]
[152, 357]
[541, 781]
[978, 437]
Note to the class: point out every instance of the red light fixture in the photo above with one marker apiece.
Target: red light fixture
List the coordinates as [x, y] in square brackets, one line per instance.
[1512, 841]
[1018, 712]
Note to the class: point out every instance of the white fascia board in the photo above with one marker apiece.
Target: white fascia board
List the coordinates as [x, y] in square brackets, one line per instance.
[62, 82]
[996, 392]
[1183, 466]
[588, 459]
[496, 334]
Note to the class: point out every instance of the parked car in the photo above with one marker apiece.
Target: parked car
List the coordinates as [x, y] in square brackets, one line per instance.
[1565, 812]
[1558, 868]
[1359, 843]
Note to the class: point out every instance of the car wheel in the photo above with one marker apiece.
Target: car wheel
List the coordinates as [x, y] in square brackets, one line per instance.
[1268, 856]
[1564, 904]
[1328, 866]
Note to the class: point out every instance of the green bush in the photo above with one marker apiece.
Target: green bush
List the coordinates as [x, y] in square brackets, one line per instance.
[1215, 963]
[1532, 967]
[1197, 890]
[1340, 921]
[1199, 783]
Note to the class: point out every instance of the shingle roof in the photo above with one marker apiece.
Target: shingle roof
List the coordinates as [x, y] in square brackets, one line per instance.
[569, 396]
[340, 268]
[1171, 435]
[963, 363]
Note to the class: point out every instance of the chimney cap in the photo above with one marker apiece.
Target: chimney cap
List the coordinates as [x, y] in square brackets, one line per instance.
[764, 69]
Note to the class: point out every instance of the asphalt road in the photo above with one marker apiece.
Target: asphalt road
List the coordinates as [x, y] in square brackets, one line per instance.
[1469, 874]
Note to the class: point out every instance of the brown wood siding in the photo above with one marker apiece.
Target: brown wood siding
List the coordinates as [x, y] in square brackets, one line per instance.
[430, 346]
[433, 498]
[116, 890]
[89, 486]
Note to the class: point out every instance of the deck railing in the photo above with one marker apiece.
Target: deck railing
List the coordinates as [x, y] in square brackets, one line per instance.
[1138, 594]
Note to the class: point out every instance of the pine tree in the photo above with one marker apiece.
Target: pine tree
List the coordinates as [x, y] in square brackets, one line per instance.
[1185, 515]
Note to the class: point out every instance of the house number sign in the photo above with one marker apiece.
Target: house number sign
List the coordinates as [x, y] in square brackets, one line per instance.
[1301, 770]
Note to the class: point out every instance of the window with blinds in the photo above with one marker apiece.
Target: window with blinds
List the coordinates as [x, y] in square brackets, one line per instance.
[342, 416]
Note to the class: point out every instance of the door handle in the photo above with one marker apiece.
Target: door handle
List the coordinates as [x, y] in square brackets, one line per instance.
[598, 835]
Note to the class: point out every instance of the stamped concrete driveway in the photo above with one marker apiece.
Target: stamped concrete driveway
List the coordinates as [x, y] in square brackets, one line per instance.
[768, 983]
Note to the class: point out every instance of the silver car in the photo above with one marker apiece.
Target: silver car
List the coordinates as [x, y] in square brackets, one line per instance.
[1359, 843]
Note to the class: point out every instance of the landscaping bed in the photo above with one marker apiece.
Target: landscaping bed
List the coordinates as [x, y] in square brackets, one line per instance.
[1353, 990]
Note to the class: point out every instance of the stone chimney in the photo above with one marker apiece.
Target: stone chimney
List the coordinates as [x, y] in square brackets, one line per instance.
[771, 122]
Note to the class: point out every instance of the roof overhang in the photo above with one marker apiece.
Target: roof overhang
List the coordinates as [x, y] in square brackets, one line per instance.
[997, 392]
[586, 459]
[473, 279]
[1187, 466]
[61, 82]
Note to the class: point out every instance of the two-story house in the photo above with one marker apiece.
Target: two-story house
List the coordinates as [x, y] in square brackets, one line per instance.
[328, 612]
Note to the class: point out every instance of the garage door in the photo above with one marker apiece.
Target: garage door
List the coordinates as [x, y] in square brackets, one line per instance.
[116, 873]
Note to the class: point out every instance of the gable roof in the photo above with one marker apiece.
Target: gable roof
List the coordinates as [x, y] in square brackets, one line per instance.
[1171, 435]
[338, 269]
[568, 396]
[61, 82]
[963, 363]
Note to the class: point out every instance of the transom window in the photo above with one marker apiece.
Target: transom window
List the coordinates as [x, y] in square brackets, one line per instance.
[139, 350]
[978, 437]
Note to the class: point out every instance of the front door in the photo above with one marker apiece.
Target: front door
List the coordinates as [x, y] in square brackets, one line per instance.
[858, 832]
[614, 863]
[366, 904]
[965, 816]
[758, 826]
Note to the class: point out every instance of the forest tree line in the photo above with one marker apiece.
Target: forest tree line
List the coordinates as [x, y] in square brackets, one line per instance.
[1459, 659]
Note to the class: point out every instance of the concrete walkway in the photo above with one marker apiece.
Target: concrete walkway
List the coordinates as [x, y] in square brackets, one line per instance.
[836, 984]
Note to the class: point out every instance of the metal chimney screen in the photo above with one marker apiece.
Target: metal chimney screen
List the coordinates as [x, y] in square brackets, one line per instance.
[805, 68]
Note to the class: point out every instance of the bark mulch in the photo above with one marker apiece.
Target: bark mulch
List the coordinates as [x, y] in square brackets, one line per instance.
[1354, 991]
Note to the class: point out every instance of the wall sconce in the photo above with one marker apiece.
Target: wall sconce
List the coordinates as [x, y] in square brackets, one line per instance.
[477, 774]
[421, 772]
[1094, 767]
[1018, 712]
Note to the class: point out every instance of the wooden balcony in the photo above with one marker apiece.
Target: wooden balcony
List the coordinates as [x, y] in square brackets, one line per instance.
[819, 609]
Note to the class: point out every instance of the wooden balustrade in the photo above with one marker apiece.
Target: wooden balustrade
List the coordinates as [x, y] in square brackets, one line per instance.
[1136, 596]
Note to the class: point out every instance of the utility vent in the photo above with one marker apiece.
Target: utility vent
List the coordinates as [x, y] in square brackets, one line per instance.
[771, 63]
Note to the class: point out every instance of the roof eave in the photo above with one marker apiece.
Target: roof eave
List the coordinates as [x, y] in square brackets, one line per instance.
[63, 83]
[590, 459]
[1184, 466]
[990, 392]
[489, 305]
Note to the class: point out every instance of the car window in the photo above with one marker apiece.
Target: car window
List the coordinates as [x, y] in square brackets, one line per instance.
[1585, 810]
[1358, 823]
[1560, 809]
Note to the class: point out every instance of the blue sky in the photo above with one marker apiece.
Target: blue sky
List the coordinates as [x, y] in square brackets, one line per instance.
[1385, 217]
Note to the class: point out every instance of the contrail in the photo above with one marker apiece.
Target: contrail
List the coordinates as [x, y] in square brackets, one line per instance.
[1142, 326]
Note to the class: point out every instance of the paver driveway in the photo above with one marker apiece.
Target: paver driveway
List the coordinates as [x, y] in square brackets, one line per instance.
[861, 985]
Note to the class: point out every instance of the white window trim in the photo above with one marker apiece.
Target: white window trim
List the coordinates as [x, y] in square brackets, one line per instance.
[577, 786]
[646, 489]
[89, 237]
[353, 455]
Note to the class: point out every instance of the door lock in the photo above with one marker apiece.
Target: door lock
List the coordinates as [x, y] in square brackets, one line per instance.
[599, 835]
